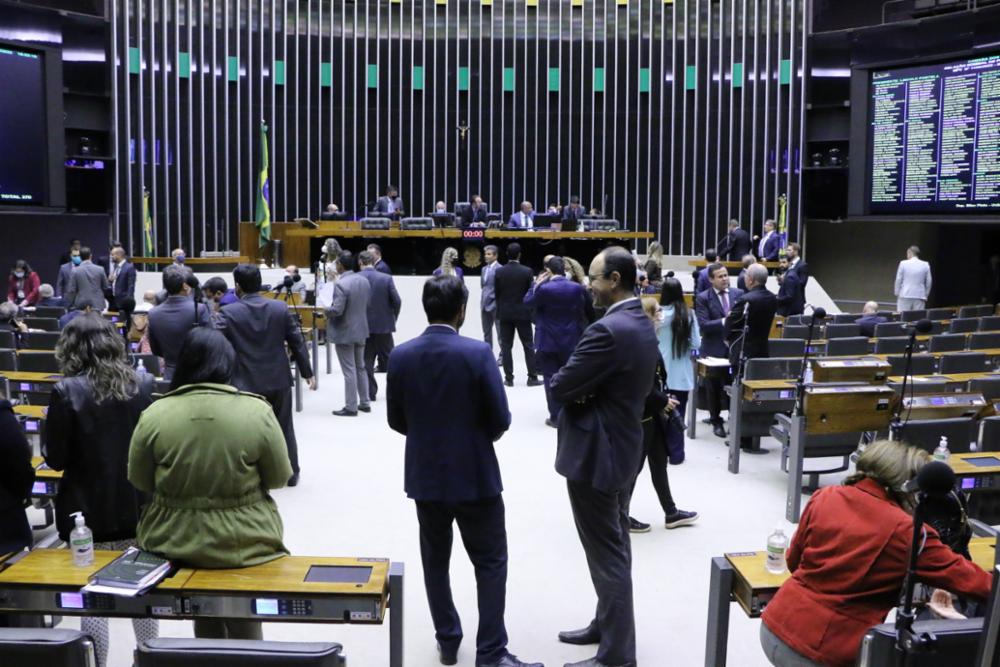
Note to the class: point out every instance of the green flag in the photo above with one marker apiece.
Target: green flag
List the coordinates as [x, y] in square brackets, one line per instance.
[147, 226]
[263, 217]
[783, 223]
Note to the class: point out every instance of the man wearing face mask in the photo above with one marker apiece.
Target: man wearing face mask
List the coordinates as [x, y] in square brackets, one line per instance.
[179, 256]
[390, 204]
[66, 270]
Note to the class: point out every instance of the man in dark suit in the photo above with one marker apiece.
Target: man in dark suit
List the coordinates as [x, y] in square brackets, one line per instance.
[700, 276]
[523, 219]
[65, 271]
[451, 466]
[792, 293]
[380, 266]
[741, 280]
[572, 213]
[560, 307]
[121, 281]
[759, 306]
[513, 280]
[171, 320]
[870, 319]
[383, 311]
[736, 244]
[769, 245]
[391, 203]
[476, 213]
[603, 388]
[711, 307]
[259, 329]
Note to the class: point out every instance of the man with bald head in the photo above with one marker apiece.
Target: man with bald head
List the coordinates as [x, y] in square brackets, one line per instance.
[603, 389]
[870, 319]
[523, 219]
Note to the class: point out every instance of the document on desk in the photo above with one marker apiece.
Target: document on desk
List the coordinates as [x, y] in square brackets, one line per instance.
[129, 575]
[715, 362]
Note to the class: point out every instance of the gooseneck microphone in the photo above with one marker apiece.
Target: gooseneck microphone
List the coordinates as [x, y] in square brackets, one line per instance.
[920, 327]
[818, 315]
[934, 479]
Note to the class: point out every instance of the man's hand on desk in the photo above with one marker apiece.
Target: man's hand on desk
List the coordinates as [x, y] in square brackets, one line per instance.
[941, 604]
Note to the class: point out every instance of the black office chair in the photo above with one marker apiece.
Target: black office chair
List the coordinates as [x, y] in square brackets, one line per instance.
[956, 643]
[891, 345]
[947, 343]
[37, 362]
[974, 311]
[844, 347]
[989, 434]
[912, 315]
[794, 320]
[165, 652]
[8, 360]
[36, 647]
[798, 331]
[846, 318]
[962, 362]
[150, 362]
[989, 323]
[889, 315]
[927, 433]
[984, 340]
[41, 340]
[774, 368]
[963, 325]
[43, 323]
[989, 387]
[921, 364]
[940, 313]
[52, 312]
[887, 329]
[8, 340]
[786, 347]
[842, 331]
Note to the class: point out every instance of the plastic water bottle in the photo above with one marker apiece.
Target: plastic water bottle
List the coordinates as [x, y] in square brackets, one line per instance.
[942, 453]
[777, 545]
[81, 542]
[807, 376]
[140, 370]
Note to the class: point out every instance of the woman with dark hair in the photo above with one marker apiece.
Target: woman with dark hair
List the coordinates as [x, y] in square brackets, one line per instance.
[679, 337]
[92, 413]
[207, 454]
[22, 286]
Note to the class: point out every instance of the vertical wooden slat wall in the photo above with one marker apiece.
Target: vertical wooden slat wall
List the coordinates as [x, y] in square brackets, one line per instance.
[671, 116]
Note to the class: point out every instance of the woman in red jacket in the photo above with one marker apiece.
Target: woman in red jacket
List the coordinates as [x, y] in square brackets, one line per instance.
[22, 287]
[848, 559]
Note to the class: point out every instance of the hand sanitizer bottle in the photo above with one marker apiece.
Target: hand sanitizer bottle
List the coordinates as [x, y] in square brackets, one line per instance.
[942, 453]
[81, 542]
[777, 545]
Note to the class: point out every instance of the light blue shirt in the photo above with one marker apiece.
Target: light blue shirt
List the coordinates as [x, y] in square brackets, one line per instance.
[680, 370]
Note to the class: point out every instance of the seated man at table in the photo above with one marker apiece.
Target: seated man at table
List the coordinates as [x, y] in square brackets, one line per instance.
[523, 219]
[869, 318]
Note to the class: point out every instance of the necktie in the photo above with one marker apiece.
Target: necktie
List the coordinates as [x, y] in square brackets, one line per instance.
[527, 221]
[724, 297]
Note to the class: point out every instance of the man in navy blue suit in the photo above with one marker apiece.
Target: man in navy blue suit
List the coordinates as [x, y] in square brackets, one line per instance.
[560, 307]
[451, 466]
[711, 307]
[603, 389]
[121, 282]
[768, 246]
[523, 219]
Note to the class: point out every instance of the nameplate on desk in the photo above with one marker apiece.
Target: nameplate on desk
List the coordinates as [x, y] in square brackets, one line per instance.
[473, 233]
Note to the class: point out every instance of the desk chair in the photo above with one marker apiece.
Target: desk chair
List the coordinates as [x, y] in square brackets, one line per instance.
[842, 347]
[964, 325]
[786, 347]
[52, 312]
[8, 360]
[989, 434]
[888, 329]
[842, 331]
[798, 331]
[891, 345]
[927, 433]
[985, 505]
[912, 315]
[975, 311]
[947, 343]
[989, 387]
[922, 364]
[795, 320]
[41, 340]
[956, 639]
[43, 323]
[940, 313]
[984, 340]
[962, 362]
[989, 323]
[51, 647]
[150, 362]
[846, 318]
[237, 653]
[37, 362]
[8, 340]
[39, 397]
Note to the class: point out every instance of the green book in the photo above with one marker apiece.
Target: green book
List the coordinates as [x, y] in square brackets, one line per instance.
[129, 574]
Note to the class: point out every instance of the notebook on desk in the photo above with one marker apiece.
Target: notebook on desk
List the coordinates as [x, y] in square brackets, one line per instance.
[132, 573]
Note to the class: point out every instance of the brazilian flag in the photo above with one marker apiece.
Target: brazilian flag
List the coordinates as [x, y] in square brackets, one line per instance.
[783, 223]
[263, 216]
[147, 226]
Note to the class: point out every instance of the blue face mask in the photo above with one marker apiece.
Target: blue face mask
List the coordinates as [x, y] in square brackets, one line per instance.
[77, 260]
[180, 258]
[19, 274]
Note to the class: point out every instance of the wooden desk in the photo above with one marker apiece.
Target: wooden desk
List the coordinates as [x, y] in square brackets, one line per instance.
[729, 265]
[21, 376]
[326, 230]
[741, 576]
[40, 412]
[193, 261]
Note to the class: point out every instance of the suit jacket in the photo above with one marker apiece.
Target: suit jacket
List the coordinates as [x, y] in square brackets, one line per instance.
[513, 280]
[560, 312]
[347, 316]
[741, 280]
[30, 288]
[712, 321]
[769, 247]
[763, 304]
[701, 281]
[471, 215]
[603, 389]
[488, 280]
[515, 221]
[259, 328]
[124, 286]
[382, 267]
[447, 460]
[735, 245]
[867, 324]
[384, 303]
[86, 287]
[16, 478]
[62, 280]
[168, 325]
[570, 213]
[386, 205]
[913, 279]
[792, 293]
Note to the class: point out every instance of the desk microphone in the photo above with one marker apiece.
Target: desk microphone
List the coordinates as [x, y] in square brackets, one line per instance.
[934, 479]
[819, 312]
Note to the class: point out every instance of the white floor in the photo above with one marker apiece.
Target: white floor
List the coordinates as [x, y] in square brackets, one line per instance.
[350, 502]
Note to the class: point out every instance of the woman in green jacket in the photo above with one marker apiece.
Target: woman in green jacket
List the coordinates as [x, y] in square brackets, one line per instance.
[207, 455]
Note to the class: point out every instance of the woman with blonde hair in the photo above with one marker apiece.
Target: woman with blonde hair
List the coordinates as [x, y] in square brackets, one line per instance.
[848, 560]
[449, 264]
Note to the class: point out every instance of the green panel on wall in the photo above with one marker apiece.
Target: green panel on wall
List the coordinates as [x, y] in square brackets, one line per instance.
[133, 60]
[691, 77]
[785, 72]
[373, 76]
[325, 75]
[508, 79]
[279, 72]
[737, 75]
[233, 73]
[418, 78]
[463, 78]
[599, 81]
[184, 65]
[553, 79]
[644, 79]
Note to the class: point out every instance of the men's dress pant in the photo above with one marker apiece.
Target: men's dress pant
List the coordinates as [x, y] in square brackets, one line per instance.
[378, 346]
[549, 363]
[602, 523]
[281, 403]
[352, 365]
[903, 303]
[524, 332]
[490, 323]
[715, 395]
[481, 524]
